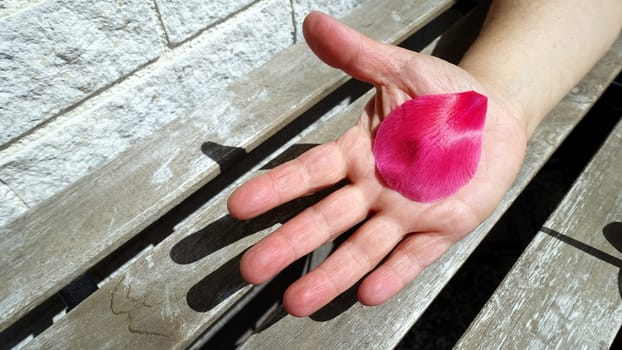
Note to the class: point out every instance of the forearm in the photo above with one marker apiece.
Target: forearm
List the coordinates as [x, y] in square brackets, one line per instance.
[532, 52]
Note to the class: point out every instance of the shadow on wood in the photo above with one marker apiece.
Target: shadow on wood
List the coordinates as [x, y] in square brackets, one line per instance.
[256, 314]
[337, 306]
[225, 156]
[227, 229]
[216, 287]
[226, 280]
[613, 234]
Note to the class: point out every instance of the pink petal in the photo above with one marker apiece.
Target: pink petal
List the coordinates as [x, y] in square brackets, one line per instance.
[430, 146]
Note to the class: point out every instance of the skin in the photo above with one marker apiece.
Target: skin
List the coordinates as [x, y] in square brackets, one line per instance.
[524, 76]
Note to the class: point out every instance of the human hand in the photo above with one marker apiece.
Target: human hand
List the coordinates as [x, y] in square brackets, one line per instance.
[412, 234]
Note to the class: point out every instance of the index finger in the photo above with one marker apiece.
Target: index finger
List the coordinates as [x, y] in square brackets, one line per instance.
[319, 167]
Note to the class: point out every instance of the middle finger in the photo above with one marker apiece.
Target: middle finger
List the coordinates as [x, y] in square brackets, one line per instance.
[305, 232]
[341, 270]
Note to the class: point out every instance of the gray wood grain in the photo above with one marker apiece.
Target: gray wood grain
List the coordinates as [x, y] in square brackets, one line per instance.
[564, 291]
[382, 327]
[57, 241]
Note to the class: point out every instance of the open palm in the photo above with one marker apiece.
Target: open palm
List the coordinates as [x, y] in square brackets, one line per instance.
[411, 234]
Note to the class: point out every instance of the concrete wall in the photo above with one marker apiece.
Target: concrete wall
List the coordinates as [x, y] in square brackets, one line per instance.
[82, 80]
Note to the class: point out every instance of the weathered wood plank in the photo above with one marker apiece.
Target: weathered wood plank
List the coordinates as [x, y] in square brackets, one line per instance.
[52, 244]
[564, 291]
[383, 326]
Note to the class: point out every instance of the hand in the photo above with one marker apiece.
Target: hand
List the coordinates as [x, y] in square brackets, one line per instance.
[413, 234]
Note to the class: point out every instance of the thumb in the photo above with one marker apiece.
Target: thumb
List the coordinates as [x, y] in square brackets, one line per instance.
[344, 48]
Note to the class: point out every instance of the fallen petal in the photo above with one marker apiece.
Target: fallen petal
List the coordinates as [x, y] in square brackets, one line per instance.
[430, 146]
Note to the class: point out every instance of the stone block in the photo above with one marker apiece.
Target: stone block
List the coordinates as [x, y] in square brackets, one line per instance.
[54, 54]
[10, 204]
[173, 87]
[336, 9]
[8, 7]
[183, 19]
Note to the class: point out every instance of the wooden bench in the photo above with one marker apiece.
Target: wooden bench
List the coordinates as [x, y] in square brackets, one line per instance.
[187, 286]
[565, 290]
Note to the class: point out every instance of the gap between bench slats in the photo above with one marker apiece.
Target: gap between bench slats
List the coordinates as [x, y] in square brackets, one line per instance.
[564, 291]
[54, 243]
[382, 327]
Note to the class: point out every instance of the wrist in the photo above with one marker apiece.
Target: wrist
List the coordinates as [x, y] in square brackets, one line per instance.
[500, 92]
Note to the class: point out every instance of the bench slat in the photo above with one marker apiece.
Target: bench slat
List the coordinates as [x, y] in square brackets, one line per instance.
[382, 327]
[564, 291]
[54, 243]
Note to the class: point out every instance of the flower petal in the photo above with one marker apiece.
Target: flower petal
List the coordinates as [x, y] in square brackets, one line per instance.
[430, 146]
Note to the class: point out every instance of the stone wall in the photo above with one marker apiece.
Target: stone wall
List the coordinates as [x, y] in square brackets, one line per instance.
[83, 80]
